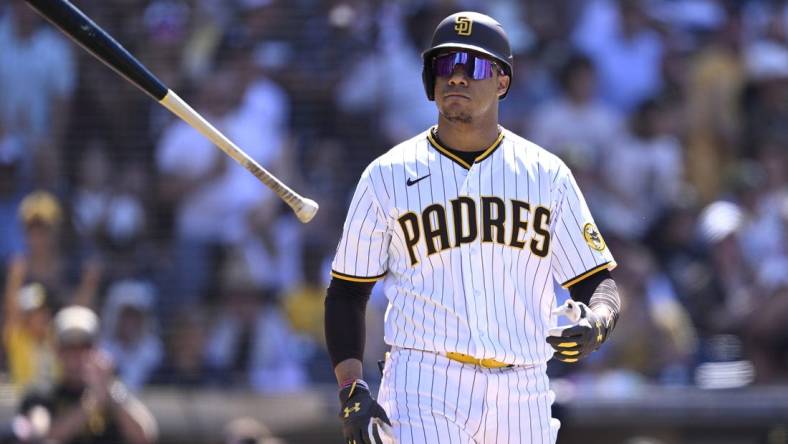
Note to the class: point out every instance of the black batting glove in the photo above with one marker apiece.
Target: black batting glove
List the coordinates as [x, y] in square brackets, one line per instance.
[576, 341]
[363, 420]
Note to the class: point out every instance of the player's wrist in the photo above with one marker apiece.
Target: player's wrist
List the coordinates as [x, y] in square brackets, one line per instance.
[600, 322]
[351, 387]
[349, 382]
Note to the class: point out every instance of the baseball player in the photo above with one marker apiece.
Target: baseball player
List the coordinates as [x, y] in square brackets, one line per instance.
[466, 225]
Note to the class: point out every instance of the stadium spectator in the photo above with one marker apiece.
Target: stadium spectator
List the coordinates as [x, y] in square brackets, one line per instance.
[129, 334]
[595, 126]
[88, 404]
[379, 84]
[714, 85]
[659, 343]
[37, 77]
[626, 50]
[643, 172]
[45, 259]
[184, 363]
[27, 331]
[14, 185]
[251, 343]
[110, 215]
[212, 195]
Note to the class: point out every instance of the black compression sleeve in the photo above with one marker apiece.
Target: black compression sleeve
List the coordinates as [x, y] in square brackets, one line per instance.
[583, 290]
[598, 290]
[346, 303]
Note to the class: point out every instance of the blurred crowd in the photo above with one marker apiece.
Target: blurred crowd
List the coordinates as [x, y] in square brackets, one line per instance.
[672, 114]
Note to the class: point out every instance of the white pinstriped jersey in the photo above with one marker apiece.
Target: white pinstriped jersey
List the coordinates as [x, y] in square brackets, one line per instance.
[468, 253]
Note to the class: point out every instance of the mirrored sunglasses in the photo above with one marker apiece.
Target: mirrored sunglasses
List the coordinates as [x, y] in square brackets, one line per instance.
[476, 68]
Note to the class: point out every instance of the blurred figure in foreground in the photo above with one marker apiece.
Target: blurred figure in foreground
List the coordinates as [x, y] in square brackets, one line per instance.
[87, 405]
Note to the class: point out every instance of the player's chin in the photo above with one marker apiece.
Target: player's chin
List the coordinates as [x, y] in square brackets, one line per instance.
[456, 115]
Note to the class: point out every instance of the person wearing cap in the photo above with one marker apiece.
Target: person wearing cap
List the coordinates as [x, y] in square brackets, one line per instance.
[27, 335]
[44, 261]
[87, 404]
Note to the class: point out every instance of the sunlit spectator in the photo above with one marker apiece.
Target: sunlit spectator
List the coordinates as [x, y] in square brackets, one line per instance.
[595, 126]
[27, 332]
[626, 50]
[45, 259]
[211, 193]
[643, 171]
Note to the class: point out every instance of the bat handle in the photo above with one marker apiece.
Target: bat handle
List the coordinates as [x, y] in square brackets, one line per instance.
[303, 208]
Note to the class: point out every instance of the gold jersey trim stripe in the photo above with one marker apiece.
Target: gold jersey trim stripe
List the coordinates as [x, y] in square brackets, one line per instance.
[492, 148]
[350, 278]
[606, 266]
[443, 150]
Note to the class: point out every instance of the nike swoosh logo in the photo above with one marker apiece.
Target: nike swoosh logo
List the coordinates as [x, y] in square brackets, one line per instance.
[414, 182]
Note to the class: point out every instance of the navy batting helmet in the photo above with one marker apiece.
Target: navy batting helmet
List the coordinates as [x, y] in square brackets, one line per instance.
[470, 31]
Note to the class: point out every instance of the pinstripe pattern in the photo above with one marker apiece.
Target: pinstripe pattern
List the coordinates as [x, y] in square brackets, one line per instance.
[489, 299]
[431, 399]
[485, 299]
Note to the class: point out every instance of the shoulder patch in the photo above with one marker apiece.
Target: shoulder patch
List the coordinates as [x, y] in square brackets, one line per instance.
[592, 237]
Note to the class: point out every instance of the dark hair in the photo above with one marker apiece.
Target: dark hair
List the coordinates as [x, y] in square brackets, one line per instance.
[574, 63]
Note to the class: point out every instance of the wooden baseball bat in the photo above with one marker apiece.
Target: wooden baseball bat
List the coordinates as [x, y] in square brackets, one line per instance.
[80, 28]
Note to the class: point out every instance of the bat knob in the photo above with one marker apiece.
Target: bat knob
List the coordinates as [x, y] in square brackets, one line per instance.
[307, 210]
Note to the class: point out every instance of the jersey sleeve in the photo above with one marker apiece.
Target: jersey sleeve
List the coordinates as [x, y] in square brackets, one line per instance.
[362, 253]
[579, 249]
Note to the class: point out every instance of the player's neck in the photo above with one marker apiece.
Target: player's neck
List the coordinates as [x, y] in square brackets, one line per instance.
[474, 136]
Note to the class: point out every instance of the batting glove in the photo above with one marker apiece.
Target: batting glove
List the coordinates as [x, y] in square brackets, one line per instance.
[363, 420]
[576, 341]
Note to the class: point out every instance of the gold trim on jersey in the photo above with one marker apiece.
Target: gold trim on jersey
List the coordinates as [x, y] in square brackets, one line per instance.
[347, 277]
[443, 150]
[490, 150]
[606, 266]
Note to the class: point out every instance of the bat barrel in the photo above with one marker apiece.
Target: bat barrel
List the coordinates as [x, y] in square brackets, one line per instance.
[95, 40]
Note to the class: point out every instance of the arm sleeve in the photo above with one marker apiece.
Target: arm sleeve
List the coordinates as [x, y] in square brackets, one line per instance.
[345, 305]
[583, 290]
[579, 250]
[362, 253]
[599, 290]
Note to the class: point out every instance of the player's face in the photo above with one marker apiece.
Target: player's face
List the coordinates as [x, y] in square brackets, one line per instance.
[466, 85]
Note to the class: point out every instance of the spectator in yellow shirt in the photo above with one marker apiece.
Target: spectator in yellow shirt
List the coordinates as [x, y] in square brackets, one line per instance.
[27, 335]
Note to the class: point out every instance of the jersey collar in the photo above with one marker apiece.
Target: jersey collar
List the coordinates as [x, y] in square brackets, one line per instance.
[441, 149]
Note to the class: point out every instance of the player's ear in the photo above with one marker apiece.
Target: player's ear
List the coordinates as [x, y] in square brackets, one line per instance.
[503, 84]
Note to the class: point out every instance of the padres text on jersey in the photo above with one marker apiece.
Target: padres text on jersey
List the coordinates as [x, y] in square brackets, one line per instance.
[468, 252]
